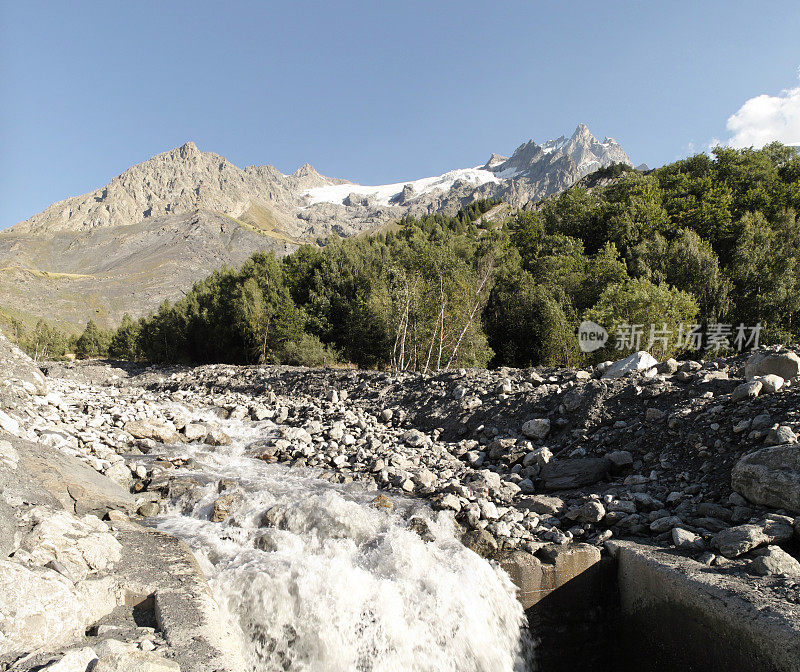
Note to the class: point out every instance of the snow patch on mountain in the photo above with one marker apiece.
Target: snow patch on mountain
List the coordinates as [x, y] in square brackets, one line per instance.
[384, 194]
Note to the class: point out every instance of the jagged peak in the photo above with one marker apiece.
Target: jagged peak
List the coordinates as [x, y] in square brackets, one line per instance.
[495, 160]
[305, 170]
[582, 130]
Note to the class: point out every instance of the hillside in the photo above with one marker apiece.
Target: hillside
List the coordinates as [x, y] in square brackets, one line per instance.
[165, 223]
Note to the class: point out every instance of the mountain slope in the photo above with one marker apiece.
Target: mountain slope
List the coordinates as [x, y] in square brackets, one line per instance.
[171, 220]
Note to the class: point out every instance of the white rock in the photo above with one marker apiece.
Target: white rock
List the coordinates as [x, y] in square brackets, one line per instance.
[77, 660]
[770, 383]
[9, 424]
[638, 361]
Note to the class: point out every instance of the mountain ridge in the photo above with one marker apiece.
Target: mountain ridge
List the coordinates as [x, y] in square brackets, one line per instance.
[168, 221]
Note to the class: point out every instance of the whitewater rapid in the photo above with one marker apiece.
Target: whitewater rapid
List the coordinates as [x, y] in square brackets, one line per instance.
[314, 578]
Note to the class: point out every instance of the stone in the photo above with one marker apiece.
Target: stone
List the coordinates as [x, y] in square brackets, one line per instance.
[749, 390]
[86, 542]
[382, 502]
[573, 473]
[736, 541]
[158, 430]
[9, 424]
[415, 438]
[225, 505]
[537, 428]
[653, 414]
[77, 660]
[780, 435]
[686, 541]
[770, 383]
[449, 501]
[545, 505]
[539, 457]
[39, 609]
[638, 361]
[481, 542]
[784, 364]
[665, 524]
[294, 435]
[195, 432]
[773, 560]
[9, 457]
[135, 661]
[770, 477]
[216, 437]
[149, 510]
[590, 512]
[668, 367]
[619, 460]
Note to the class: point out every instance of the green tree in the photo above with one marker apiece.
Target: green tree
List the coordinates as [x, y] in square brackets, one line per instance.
[639, 302]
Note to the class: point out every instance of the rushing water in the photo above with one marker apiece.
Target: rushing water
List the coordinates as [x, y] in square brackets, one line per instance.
[315, 579]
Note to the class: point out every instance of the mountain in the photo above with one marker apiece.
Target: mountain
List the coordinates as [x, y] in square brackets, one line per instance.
[171, 220]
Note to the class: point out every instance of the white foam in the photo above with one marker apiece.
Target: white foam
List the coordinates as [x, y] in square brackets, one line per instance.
[336, 585]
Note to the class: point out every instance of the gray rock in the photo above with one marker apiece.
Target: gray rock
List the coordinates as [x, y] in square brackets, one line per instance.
[780, 435]
[135, 661]
[537, 428]
[772, 561]
[481, 542]
[770, 477]
[784, 364]
[590, 512]
[195, 432]
[77, 660]
[770, 383]
[567, 474]
[40, 610]
[415, 438]
[749, 390]
[149, 509]
[686, 541]
[158, 430]
[736, 541]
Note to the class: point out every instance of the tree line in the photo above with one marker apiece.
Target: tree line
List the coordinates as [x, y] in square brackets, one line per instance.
[705, 241]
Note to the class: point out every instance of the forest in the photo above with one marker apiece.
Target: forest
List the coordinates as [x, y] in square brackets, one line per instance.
[679, 260]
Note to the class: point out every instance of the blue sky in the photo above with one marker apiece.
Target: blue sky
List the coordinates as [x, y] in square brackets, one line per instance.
[377, 92]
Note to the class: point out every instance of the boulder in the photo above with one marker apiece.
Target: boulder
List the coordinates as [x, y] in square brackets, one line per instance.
[158, 430]
[195, 432]
[784, 364]
[770, 383]
[135, 661]
[770, 477]
[574, 473]
[39, 609]
[216, 437]
[77, 660]
[749, 390]
[773, 560]
[590, 512]
[638, 361]
[75, 485]
[537, 428]
[782, 434]
[84, 544]
[225, 505]
[736, 541]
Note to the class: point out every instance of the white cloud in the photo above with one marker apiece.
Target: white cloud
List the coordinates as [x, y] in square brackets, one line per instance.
[766, 118]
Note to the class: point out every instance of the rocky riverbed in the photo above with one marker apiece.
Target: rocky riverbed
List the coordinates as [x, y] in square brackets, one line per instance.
[699, 457]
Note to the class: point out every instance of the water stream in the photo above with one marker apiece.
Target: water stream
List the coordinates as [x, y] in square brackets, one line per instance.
[314, 578]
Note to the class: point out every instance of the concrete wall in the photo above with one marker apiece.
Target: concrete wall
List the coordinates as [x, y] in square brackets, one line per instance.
[646, 609]
[677, 614]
